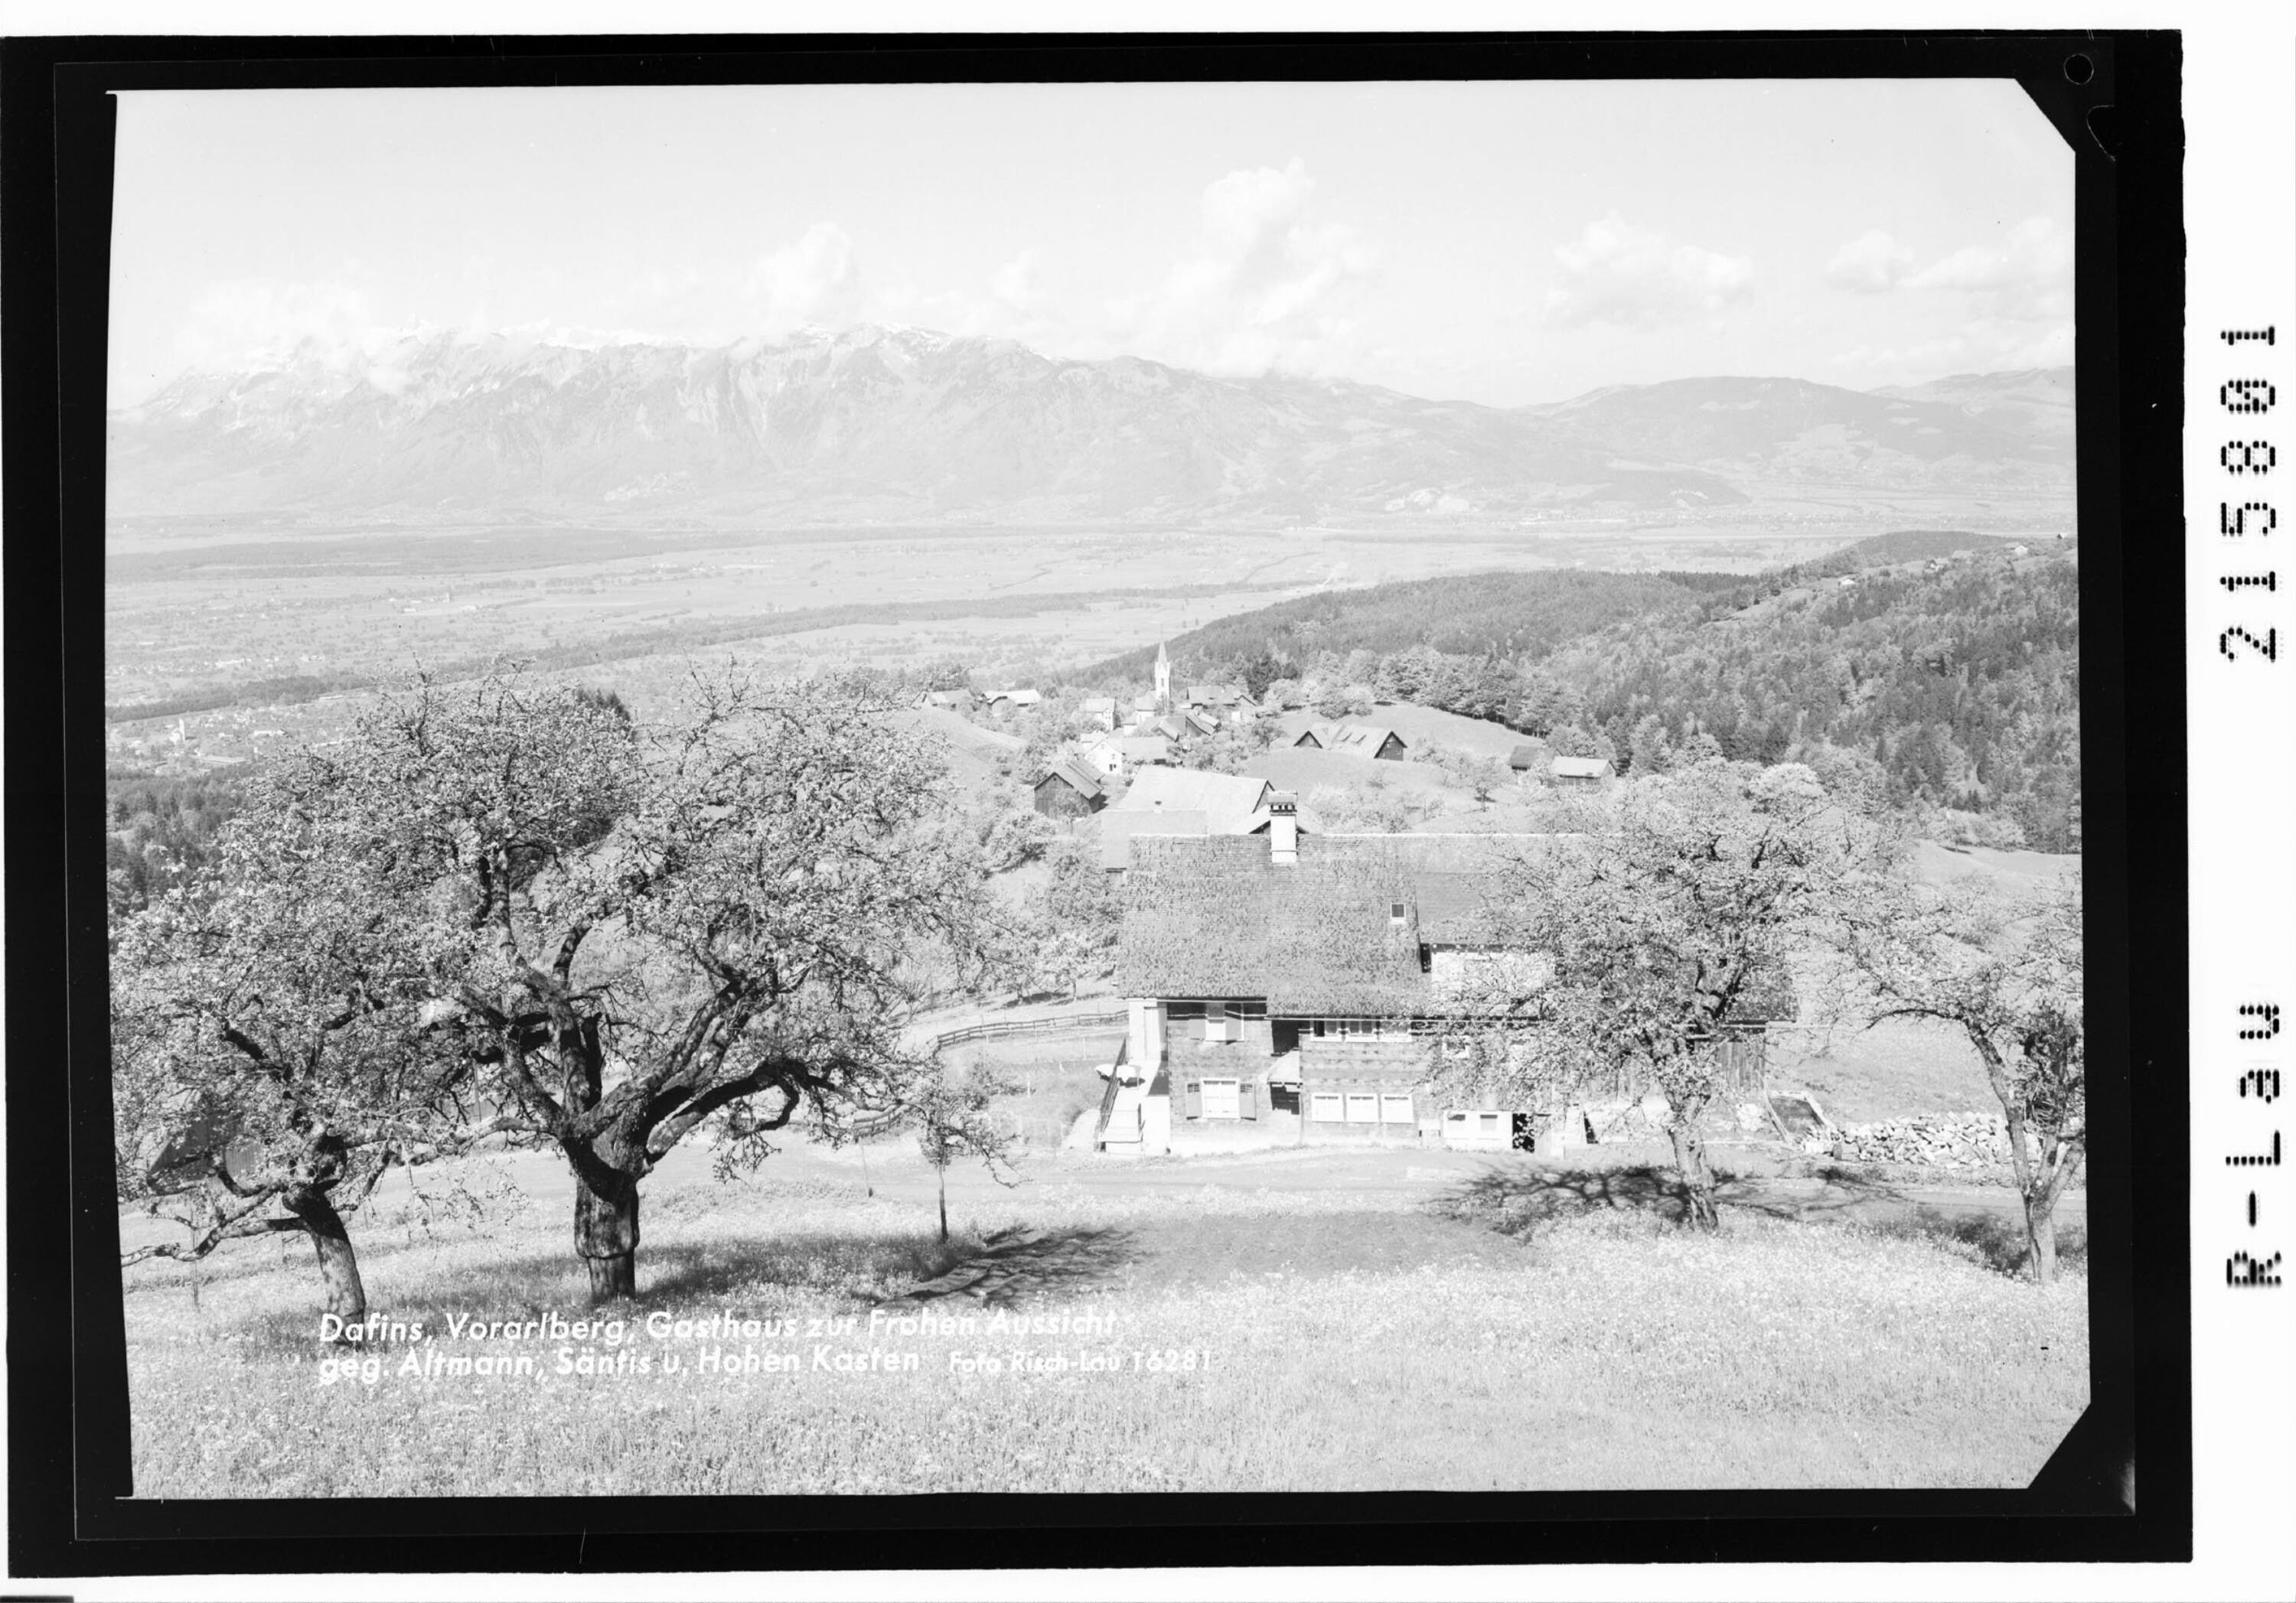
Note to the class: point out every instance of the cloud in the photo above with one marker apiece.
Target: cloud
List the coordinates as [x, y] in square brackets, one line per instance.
[813, 280]
[1629, 277]
[261, 321]
[1017, 283]
[2027, 274]
[1265, 284]
[1869, 263]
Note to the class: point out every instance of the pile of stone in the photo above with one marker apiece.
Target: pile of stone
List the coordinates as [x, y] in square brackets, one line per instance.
[1951, 1140]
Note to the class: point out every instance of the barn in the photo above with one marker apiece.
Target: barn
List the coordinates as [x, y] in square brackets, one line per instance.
[1069, 790]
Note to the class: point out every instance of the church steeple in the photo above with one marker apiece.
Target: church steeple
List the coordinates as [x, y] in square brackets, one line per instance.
[1163, 673]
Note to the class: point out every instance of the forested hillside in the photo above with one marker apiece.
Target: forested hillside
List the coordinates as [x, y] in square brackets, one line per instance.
[1963, 685]
[1513, 614]
[1956, 689]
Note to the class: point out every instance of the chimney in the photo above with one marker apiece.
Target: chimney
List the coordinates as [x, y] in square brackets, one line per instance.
[1283, 828]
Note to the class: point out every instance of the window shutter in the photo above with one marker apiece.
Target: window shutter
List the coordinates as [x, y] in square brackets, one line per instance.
[1193, 1101]
[1247, 1099]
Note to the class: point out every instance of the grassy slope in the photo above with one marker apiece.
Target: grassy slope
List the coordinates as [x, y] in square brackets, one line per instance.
[1356, 1339]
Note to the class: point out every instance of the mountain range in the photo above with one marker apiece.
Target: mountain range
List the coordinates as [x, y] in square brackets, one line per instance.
[906, 425]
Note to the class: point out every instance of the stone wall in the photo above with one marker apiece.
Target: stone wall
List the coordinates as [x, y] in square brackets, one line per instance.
[1944, 1139]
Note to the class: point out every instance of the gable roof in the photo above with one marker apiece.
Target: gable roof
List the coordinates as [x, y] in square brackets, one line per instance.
[1214, 917]
[1078, 777]
[1365, 739]
[1119, 830]
[1525, 756]
[1582, 768]
[1227, 801]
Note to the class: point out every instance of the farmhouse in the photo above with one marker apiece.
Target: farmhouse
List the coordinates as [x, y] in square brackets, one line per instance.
[1287, 988]
[1525, 757]
[1002, 702]
[1582, 771]
[1184, 802]
[1365, 739]
[1069, 790]
[958, 701]
[1099, 712]
[1121, 754]
[1217, 697]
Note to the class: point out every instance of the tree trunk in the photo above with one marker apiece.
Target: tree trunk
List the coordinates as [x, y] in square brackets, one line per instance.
[1697, 1179]
[337, 1264]
[2040, 1206]
[606, 1227]
[944, 1206]
[2041, 1234]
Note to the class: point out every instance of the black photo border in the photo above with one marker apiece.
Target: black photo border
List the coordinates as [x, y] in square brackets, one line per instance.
[68, 1402]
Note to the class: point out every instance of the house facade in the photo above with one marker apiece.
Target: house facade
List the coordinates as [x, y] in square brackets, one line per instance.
[1596, 772]
[1118, 754]
[1291, 988]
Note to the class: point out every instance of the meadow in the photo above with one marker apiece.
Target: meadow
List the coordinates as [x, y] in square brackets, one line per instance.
[1407, 1320]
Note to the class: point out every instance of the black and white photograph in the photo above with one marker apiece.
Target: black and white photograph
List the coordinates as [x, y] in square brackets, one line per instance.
[1069, 787]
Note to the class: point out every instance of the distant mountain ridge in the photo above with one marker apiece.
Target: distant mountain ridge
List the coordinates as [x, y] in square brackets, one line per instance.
[900, 425]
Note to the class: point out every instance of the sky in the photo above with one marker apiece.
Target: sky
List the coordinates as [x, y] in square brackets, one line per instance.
[1497, 241]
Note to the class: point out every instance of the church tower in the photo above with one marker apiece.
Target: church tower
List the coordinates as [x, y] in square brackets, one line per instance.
[1163, 675]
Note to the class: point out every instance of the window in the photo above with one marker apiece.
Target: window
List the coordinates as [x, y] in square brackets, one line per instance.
[1363, 1108]
[1394, 913]
[1218, 1024]
[1394, 1110]
[1324, 1108]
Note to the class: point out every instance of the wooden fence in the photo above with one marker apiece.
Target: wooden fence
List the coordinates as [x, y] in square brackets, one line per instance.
[1000, 1028]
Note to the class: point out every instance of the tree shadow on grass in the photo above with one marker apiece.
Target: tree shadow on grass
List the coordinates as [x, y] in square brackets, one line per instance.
[1012, 1263]
[1996, 1241]
[1513, 1200]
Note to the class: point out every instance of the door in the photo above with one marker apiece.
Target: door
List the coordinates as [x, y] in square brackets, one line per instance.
[1220, 1100]
[1324, 1108]
[1363, 1108]
[1396, 1109]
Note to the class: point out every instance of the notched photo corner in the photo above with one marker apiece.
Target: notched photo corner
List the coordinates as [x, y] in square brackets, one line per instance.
[1289, 787]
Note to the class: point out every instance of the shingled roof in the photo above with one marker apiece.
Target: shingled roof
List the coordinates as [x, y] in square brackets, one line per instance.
[1214, 917]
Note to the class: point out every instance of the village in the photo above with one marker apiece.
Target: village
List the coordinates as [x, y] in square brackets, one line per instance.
[1235, 1039]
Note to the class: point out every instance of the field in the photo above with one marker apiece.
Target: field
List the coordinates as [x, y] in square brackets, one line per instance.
[1331, 1321]
[229, 618]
